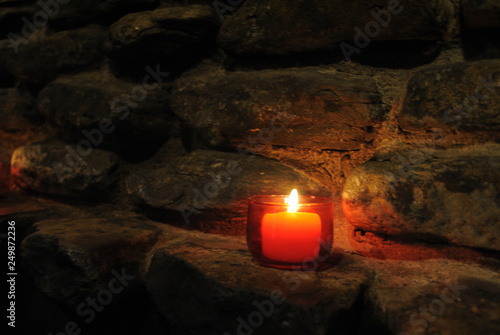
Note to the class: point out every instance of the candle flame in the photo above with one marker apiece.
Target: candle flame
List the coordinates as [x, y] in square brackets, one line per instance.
[293, 201]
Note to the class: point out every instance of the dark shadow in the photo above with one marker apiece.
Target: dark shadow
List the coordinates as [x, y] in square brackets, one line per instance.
[383, 54]
[357, 320]
[398, 54]
[481, 43]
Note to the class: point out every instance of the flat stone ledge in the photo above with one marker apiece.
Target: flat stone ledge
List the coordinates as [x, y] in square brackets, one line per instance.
[236, 290]
[74, 258]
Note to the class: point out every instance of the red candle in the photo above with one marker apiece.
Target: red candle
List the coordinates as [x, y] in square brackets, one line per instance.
[291, 236]
[285, 235]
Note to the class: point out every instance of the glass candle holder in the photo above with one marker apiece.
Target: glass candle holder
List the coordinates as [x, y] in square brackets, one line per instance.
[282, 239]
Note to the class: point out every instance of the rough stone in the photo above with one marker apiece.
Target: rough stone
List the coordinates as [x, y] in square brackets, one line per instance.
[281, 27]
[23, 133]
[393, 247]
[208, 190]
[62, 16]
[463, 97]
[176, 36]
[436, 195]
[477, 310]
[162, 25]
[234, 285]
[204, 283]
[18, 110]
[32, 209]
[56, 169]
[481, 13]
[131, 119]
[81, 12]
[305, 108]
[445, 299]
[25, 211]
[44, 57]
[72, 259]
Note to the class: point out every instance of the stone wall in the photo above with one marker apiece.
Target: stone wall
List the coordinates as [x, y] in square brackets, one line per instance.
[178, 111]
[117, 95]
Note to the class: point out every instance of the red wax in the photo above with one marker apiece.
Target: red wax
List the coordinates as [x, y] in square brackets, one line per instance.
[291, 237]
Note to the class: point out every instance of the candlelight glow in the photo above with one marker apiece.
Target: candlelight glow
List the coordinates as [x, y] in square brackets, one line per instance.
[286, 237]
[293, 201]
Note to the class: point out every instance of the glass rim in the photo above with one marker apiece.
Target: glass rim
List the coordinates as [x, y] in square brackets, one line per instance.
[272, 200]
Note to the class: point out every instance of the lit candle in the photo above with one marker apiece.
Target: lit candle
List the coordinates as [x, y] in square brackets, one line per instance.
[291, 236]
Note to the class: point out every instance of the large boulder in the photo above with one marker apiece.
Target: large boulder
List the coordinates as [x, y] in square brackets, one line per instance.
[456, 97]
[209, 284]
[73, 258]
[308, 108]
[42, 58]
[129, 118]
[175, 36]
[447, 196]
[209, 190]
[281, 27]
[60, 170]
[436, 298]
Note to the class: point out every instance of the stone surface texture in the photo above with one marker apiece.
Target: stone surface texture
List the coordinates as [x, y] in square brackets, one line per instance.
[107, 111]
[311, 108]
[209, 190]
[175, 36]
[463, 97]
[75, 258]
[281, 27]
[436, 298]
[44, 57]
[132, 134]
[163, 27]
[443, 195]
[234, 287]
[56, 169]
